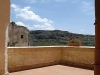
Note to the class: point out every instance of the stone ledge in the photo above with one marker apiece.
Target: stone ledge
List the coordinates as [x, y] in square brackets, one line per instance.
[53, 46]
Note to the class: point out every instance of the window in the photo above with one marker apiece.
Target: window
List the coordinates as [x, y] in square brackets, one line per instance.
[21, 36]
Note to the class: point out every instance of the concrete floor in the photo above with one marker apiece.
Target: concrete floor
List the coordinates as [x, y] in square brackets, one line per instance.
[55, 70]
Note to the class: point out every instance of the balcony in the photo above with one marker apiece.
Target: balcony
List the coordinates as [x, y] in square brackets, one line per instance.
[51, 60]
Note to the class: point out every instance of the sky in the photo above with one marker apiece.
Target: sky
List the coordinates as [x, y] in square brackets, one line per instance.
[76, 16]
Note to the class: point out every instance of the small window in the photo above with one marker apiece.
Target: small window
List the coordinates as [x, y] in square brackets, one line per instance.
[21, 36]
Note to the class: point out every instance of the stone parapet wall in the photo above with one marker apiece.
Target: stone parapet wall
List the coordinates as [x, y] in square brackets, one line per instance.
[80, 57]
[34, 57]
[28, 58]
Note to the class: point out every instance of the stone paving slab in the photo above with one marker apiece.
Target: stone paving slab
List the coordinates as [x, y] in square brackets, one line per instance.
[55, 70]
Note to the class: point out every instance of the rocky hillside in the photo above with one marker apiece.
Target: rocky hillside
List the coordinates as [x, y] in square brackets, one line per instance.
[57, 37]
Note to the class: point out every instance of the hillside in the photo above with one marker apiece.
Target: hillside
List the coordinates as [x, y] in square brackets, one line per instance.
[57, 37]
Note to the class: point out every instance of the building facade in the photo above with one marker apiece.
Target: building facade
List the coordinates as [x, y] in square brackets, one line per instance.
[17, 35]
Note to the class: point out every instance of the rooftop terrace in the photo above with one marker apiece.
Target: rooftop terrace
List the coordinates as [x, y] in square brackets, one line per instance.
[55, 70]
[49, 60]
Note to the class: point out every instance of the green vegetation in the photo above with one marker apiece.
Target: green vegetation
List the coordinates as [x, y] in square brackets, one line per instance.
[57, 37]
[73, 39]
[76, 40]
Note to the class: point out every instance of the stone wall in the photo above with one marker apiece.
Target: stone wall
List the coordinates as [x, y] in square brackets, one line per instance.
[34, 57]
[18, 35]
[80, 57]
[27, 58]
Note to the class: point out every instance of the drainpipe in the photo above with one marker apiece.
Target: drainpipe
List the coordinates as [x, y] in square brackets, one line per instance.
[97, 38]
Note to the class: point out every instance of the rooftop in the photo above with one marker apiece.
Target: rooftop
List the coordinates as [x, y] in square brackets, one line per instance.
[55, 70]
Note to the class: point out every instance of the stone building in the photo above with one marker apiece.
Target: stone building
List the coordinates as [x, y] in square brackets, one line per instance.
[17, 35]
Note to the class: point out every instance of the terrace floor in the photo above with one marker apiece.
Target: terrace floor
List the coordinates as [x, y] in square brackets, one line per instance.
[55, 70]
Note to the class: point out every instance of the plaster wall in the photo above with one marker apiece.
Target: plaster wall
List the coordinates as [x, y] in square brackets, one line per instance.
[30, 57]
[27, 58]
[80, 57]
[4, 21]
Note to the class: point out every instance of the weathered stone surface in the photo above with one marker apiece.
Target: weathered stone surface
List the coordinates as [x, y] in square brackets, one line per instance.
[30, 57]
[18, 35]
[80, 57]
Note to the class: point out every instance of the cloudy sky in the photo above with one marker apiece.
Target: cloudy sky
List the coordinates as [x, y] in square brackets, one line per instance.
[75, 16]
